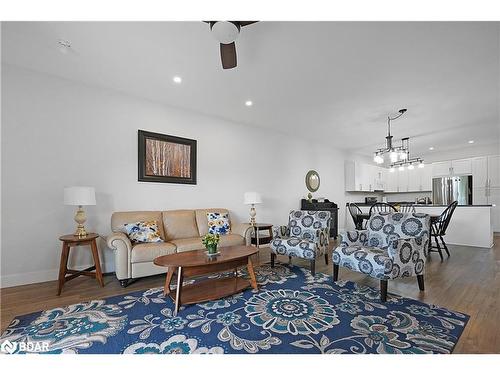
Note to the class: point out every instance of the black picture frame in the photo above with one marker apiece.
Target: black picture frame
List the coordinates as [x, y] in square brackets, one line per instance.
[143, 177]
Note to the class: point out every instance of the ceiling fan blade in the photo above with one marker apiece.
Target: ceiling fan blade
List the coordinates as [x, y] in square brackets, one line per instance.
[246, 23]
[228, 55]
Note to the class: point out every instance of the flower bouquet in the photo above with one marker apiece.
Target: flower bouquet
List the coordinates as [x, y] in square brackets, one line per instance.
[210, 241]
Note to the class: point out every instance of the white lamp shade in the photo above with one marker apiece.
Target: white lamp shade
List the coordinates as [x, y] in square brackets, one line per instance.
[79, 196]
[252, 197]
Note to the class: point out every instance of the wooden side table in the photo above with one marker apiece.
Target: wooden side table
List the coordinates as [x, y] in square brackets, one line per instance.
[256, 239]
[69, 241]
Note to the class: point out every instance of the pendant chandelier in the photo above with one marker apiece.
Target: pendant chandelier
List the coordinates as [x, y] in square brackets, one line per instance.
[399, 156]
[408, 161]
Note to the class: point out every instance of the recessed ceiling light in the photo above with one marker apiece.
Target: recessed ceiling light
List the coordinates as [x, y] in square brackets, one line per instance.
[177, 79]
[471, 141]
[249, 103]
[431, 148]
[64, 45]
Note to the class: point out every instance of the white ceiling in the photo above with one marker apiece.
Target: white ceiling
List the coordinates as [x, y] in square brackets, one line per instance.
[331, 81]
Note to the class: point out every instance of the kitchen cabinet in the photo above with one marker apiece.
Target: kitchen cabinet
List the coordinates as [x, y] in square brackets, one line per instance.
[426, 178]
[461, 167]
[419, 179]
[442, 168]
[403, 180]
[414, 180]
[357, 176]
[494, 200]
[479, 195]
[363, 177]
[452, 168]
[494, 171]
[480, 172]
[381, 179]
[486, 185]
[392, 182]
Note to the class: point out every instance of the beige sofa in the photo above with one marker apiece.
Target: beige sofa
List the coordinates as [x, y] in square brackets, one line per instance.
[180, 229]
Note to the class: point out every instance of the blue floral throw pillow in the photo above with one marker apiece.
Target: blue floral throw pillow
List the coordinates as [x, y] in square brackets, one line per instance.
[218, 223]
[143, 232]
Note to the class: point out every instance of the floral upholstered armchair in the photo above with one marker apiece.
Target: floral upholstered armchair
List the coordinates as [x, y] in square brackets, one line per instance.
[392, 246]
[306, 236]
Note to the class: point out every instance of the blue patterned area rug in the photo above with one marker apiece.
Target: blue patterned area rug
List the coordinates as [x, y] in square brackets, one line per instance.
[293, 312]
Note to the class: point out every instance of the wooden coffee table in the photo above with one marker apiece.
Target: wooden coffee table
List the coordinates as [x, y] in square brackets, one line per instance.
[196, 263]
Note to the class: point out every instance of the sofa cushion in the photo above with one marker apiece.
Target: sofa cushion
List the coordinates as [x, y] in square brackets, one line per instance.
[218, 223]
[119, 219]
[188, 244]
[147, 252]
[143, 232]
[201, 219]
[179, 224]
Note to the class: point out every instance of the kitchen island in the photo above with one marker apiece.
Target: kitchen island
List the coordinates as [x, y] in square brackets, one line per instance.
[469, 226]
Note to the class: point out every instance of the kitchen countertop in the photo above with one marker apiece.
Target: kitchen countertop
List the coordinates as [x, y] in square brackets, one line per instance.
[363, 204]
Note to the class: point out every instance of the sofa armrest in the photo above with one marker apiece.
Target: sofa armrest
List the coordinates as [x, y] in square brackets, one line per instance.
[353, 238]
[123, 247]
[244, 230]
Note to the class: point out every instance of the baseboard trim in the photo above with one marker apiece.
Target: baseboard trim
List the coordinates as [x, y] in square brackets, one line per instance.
[26, 278]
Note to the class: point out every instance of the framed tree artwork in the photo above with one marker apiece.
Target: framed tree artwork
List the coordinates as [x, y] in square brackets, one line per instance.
[165, 158]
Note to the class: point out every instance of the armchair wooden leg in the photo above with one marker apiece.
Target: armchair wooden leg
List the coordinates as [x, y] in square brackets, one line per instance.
[326, 259]
[273, 256]
[313, 267]
[383, 290]
[420, 279]
[335, 272]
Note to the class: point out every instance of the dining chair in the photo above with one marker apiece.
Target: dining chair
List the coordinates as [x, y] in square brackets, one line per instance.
[406, 208]
[355, 212]
[438, 229]
[382, 207]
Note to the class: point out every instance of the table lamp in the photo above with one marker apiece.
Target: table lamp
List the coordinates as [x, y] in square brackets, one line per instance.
[252, 198]
[79, 196]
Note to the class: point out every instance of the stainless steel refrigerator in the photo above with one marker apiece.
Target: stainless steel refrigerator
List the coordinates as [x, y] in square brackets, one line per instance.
[446, 190]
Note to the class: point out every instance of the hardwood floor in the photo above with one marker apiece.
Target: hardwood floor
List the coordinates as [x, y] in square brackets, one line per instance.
[468, 281]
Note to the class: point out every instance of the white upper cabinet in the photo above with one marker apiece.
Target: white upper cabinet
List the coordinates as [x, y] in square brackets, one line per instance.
[480, 172]
[442, 168]
[494, 171]
[426, 178]
[414, 179]
[452, 168]
[381, 179]
[403, 180]
[392, 182]
[358, 176]
[461, 167]
[363, 177]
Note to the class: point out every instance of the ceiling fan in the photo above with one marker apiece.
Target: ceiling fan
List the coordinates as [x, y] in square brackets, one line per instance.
[226, 33]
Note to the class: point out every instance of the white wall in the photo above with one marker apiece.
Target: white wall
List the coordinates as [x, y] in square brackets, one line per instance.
[58, 133]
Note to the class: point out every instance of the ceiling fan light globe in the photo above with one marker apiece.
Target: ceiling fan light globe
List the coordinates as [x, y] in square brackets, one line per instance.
[225, 32]
[421, 164]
